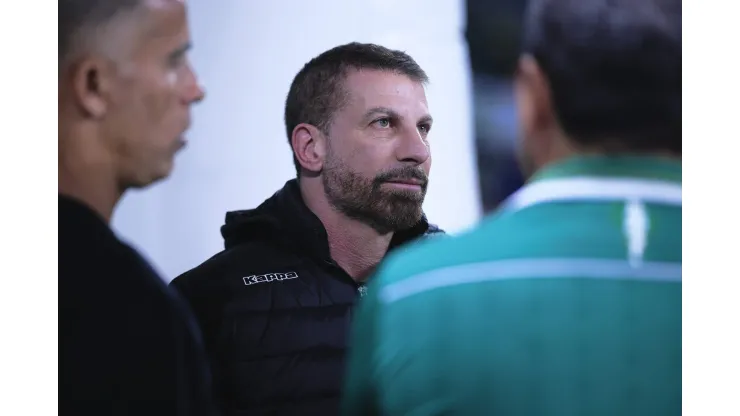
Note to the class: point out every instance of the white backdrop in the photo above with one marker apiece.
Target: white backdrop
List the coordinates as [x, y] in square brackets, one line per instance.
[246, 54]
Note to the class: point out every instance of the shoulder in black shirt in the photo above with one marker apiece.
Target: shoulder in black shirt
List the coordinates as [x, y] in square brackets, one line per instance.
[127, 344]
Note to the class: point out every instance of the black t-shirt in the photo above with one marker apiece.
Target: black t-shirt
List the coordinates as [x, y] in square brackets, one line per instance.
[127, 344]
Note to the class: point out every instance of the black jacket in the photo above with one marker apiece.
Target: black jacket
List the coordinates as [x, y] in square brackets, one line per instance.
[128, 345]
[275, 309]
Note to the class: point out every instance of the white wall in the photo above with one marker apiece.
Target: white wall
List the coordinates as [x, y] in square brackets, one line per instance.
[246, 53]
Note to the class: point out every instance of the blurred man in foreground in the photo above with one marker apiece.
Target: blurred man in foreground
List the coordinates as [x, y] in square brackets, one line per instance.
[127, 345]
[568, 300]
[275, 305]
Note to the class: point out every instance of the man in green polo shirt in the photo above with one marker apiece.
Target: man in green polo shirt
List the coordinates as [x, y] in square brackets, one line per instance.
[568, 300]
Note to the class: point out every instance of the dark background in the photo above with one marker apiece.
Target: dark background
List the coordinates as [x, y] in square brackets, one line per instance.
[493, 34]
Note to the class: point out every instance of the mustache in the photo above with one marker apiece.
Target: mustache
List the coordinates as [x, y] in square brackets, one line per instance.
[406, 172]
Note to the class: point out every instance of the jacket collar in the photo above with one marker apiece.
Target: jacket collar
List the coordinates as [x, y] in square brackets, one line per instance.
[286, 218]
[603, 178]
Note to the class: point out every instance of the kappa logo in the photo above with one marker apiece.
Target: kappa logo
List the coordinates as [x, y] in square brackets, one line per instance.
[269, 277]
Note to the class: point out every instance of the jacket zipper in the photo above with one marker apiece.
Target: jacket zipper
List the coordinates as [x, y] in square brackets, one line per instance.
[361, 288]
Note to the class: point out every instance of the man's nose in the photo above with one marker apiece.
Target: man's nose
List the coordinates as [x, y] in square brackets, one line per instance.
[412, 146]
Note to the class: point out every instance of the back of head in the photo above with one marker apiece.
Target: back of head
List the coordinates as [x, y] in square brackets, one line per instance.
[613, 68]
[317, 90]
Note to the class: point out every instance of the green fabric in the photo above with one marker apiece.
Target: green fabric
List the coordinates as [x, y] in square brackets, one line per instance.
[561, 345]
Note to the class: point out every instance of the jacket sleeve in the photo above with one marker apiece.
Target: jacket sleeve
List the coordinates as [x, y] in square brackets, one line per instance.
[359, 396]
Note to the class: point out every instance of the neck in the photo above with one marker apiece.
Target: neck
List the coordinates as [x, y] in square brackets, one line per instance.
[354, 246]
[87, 175]
[563, 149]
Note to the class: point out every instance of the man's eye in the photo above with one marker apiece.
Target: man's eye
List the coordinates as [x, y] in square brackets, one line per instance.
[383, 123]
[424, 128]
[178, 59]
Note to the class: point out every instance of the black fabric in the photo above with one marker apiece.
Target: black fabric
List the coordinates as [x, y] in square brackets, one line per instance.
[128, 345]
[275, 309]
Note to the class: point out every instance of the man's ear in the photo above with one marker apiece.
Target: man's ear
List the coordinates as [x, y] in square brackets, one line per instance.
[309, 147]
[533, 96]
[91, 84]
[537, 118]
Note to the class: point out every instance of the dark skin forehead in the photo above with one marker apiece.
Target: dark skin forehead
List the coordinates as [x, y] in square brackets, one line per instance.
[154, 27]
[163, 25]
[164, 16]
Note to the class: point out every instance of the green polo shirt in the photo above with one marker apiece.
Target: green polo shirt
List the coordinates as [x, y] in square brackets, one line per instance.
[565, 302]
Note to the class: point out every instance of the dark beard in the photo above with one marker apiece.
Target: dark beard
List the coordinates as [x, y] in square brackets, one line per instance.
[385, 210]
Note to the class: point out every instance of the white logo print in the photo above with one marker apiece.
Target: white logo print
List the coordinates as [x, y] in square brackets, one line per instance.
[636, 228]
[362, 290]
[269, 277]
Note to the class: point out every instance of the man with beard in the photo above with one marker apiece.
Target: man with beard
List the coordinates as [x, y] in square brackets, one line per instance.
[567, 301]
[275, 305]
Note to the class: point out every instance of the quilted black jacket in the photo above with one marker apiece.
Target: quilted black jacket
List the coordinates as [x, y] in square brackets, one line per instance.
[275, 309]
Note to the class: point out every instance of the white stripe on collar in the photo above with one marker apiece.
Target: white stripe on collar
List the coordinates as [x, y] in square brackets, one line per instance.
[586, 188]
[529, 269]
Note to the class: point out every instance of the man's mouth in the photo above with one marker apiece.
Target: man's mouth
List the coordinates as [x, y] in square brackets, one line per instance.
[406, 183]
